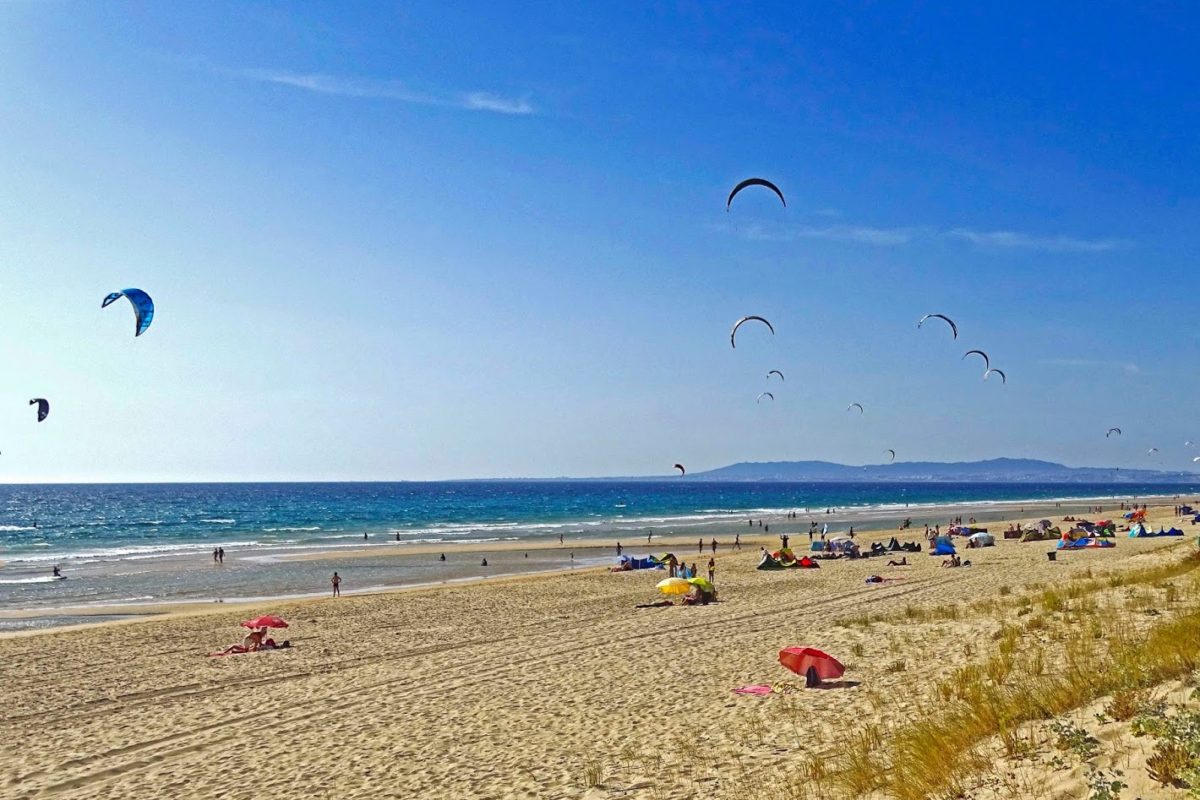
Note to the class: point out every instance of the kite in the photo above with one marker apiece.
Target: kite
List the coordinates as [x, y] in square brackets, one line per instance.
[754, 182]
[742, 321]
[950, 322]
[987, 362]
[143, 307]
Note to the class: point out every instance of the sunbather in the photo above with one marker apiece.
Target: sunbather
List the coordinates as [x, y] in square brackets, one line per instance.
[901, 563]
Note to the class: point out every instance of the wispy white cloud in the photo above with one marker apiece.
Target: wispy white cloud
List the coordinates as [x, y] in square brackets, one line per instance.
[484, 101]
[899, 236]
[1025, 241]
[1127, 367]
[837, 233]
[389, 90]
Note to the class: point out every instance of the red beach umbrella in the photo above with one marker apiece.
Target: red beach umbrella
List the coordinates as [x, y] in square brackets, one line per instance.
[269, 621]
[801, 659]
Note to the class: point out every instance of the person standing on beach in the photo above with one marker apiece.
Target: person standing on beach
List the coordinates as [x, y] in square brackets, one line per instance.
[712, 568]
[672, 564]
[220, 555]
[714, 545]
[701, 545]
[336, 580]
[560, 541]
[783, 537]
[649, 535]
[214, 555]
[737, 541]
[618, 549]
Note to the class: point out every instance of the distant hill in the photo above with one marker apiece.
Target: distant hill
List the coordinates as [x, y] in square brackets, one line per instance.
[996, 470]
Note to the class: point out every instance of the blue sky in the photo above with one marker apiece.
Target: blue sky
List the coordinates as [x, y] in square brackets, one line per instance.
[434, 241]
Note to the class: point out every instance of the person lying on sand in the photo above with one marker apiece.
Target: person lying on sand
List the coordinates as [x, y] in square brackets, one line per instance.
[659, 604]
[253, 643]
[901, 563]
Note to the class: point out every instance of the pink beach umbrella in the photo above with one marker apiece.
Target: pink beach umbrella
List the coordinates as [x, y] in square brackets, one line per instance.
[268, 621]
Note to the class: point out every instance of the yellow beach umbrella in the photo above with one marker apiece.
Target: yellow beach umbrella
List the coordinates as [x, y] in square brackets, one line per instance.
[674, 586]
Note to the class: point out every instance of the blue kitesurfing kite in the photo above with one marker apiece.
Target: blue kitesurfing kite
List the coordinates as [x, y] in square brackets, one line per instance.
[43, 407]
[143, 306]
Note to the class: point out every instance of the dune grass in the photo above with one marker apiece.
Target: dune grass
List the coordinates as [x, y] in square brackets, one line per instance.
[936, 755]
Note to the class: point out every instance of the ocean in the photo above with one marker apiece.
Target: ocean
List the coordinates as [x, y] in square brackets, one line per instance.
[129, 543]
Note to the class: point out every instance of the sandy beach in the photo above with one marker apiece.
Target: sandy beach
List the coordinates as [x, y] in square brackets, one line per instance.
[546, 686]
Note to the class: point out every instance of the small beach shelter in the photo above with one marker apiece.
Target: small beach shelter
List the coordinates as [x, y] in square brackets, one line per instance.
[943, 547]
[982, 539]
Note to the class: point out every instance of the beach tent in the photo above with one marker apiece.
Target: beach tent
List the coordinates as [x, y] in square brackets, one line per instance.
[1079, 544]
[1040, 535]
[982, 539]
[769, 561]
[943, 547]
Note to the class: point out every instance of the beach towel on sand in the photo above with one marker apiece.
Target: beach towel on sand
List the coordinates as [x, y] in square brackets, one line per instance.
[755, 689]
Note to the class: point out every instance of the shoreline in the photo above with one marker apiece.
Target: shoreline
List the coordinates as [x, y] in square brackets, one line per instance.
[594, 555]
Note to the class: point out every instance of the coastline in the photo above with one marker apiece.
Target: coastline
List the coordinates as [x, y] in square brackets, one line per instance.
[576, 554]
[526, 686]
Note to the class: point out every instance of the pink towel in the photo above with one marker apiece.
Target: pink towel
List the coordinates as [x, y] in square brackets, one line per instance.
[756, 689]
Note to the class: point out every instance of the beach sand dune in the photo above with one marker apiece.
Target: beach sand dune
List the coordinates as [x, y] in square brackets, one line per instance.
[542, 687]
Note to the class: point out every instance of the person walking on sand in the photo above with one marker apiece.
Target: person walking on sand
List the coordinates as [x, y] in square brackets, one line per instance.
[649, 535]
[336, 580]
[560, 538]
[214, 555]
[220, 555]
[712, 568]
[618, 549]
[714, 545]
[737, 541]
[701, 545]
